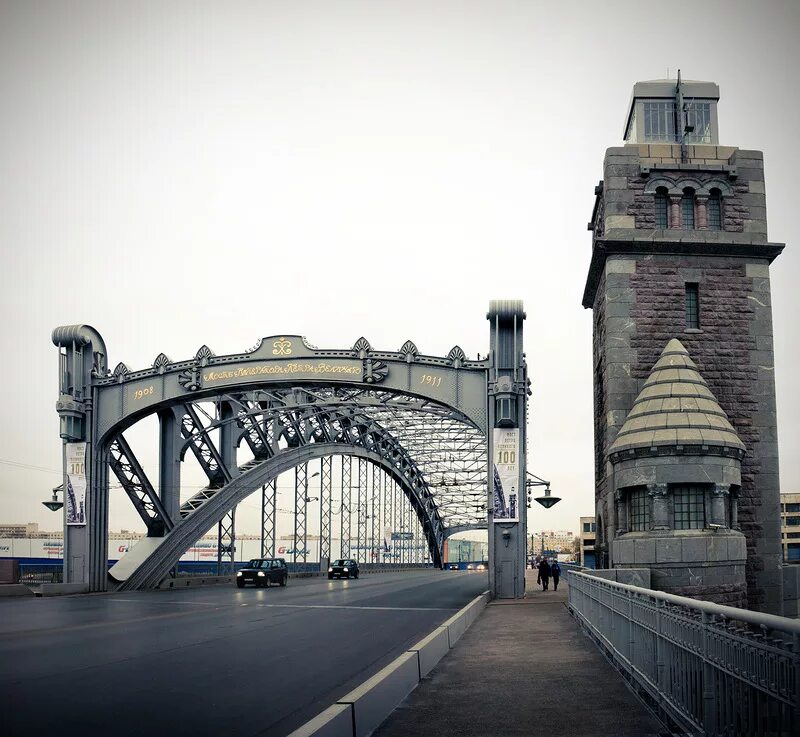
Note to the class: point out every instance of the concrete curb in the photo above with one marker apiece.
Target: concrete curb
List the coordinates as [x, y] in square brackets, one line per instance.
[14, 589]
[63, 589]
[363, 710]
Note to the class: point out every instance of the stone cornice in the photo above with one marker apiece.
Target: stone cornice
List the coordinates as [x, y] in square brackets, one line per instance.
[602, 248]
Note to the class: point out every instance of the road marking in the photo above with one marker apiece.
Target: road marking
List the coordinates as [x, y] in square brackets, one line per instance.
[168, 603]
[352, 606]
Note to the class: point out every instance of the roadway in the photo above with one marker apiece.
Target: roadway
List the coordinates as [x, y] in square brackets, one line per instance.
[214, 660]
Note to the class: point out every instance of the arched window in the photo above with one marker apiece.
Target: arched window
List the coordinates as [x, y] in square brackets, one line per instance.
[662, 216]
[687, 209]
[715, 210]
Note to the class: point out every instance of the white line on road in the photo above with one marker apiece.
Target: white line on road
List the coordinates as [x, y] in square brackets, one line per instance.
[349, 606]
[299, 606]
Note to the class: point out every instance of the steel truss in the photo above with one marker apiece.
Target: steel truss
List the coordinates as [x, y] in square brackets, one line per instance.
[300, 512]
[436, 454]
[346, 532]
[137, 486]
[325, 511]
[226, 543]
[269, 502]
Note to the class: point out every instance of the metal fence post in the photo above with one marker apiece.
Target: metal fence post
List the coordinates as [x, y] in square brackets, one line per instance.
[660, 646]
[796, 654]
[709, 707]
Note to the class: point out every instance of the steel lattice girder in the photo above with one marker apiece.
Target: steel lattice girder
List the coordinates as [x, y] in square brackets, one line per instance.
[137, 486]
[437, 454]
[449, 451]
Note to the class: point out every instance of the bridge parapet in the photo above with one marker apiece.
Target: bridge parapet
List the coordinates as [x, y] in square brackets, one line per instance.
[710, 669]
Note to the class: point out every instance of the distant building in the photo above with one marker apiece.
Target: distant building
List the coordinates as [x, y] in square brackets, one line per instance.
[587, 538]
[28, 529]
[790, 527]
[552, 542]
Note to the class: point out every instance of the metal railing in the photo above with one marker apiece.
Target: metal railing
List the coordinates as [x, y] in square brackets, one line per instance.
[711, 669]
[37, 573]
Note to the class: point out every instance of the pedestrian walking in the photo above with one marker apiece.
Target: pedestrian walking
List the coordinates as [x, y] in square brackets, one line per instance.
[544, 574]
[555, 572]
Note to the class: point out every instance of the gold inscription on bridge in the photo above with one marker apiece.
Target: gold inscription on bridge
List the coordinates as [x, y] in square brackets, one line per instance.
[283, 369]
[142, 393]
[431, 380]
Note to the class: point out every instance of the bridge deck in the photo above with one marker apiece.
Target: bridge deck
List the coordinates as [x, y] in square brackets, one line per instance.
[523, 668]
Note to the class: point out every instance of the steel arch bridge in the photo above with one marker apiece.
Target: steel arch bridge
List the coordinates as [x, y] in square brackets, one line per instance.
[422, 422]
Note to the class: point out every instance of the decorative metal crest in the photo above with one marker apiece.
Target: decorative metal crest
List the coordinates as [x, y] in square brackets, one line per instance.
[362, 347]
[203, 354]
[456, 356]
[120, 372]
[161, 363]
[409, 351]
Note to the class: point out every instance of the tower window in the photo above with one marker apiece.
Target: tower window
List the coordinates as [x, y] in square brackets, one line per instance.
[638, 510]
[659, 121]
[662, 221]
[715, 210]
[687, 209]
[689, 507]
[692, 305]
[698, 116]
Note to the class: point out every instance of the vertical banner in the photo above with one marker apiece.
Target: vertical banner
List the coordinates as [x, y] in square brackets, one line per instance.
[506, 475]
[75, 493]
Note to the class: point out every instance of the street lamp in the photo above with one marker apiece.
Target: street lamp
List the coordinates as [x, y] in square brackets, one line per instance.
[547, 500]
[53, 504]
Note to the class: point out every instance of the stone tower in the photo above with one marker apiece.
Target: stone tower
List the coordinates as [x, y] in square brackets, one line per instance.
[686, 452]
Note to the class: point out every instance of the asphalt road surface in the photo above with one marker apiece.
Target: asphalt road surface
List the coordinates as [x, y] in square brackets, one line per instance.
[209, 661]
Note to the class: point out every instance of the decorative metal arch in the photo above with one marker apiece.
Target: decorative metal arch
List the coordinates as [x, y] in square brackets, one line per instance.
[423, 419]
[277, 425]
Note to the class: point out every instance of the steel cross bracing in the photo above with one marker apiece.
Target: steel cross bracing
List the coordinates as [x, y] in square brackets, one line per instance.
[375, 507]
[269, 492]
[325, 512]
[346, 510]
[226, 543]
[300, 511]
[137, 486]
[361, 530]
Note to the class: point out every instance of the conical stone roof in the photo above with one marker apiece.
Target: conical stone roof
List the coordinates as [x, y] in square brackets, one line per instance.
[675, 407]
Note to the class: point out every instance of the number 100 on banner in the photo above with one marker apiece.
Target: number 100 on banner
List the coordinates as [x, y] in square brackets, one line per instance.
[505, 464]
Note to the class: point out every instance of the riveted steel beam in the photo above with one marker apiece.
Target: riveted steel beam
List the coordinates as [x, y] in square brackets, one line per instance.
[137, 486]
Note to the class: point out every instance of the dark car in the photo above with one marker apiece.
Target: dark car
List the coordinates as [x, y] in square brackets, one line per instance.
[453, 566]
[343, 568]
[263, 572]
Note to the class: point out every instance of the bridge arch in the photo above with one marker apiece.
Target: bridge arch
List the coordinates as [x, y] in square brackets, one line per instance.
[425, 420]
[152, 570]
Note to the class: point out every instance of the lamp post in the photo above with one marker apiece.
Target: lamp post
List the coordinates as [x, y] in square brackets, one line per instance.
[547, 500]
[54, 504]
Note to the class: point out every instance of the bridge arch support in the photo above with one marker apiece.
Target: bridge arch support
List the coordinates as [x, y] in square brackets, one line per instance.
[428, 421]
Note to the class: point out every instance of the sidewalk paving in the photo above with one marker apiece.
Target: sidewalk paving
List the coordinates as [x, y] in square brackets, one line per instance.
[523, 668]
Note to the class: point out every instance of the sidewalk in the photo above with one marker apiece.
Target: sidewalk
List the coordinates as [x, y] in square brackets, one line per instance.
[524, 668]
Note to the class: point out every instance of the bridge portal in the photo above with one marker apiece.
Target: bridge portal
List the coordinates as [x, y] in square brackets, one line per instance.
[446, 434]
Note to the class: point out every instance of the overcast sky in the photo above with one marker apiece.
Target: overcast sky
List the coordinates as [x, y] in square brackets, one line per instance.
[181, 173]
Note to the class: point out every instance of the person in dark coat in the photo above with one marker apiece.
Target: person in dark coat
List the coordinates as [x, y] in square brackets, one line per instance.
[555, 571]
[544, 574]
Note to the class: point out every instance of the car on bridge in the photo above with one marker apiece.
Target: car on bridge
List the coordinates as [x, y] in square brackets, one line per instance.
[263, 572]
[343, 568]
